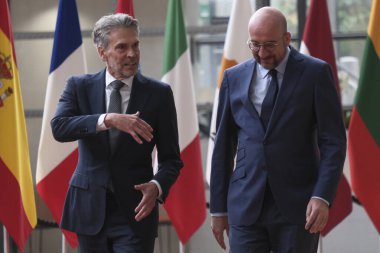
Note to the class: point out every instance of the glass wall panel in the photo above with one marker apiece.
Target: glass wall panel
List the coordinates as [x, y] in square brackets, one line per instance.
[289, 8]
[349, 56]
[207, 54]
[351, 15]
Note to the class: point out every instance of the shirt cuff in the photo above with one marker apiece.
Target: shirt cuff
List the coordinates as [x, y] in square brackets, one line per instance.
[100, 126]
[159, 197]
[314, 197]
[218, 214]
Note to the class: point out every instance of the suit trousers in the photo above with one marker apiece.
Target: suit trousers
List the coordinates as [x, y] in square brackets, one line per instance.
[272, 233]
[116, 236]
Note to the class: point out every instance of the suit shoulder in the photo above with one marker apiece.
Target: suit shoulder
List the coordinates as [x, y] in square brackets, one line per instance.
[154, 84]
[312, 60]
[239, 67]
[84, 78]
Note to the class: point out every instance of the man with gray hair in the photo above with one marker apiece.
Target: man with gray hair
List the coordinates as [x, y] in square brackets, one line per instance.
[117, 116]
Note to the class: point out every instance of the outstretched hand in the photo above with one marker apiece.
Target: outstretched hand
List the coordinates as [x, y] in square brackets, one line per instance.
[131, 124]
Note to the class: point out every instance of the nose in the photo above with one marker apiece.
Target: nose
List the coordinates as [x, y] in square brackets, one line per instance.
[262, 52]
[131, 52]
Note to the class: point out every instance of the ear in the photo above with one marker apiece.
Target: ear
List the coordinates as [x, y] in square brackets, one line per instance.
[288, 37]
[102, 53]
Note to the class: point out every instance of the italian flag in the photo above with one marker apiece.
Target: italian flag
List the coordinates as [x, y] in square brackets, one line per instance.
[185, 205]
[364, 130]
[17, 203]
[235, 51]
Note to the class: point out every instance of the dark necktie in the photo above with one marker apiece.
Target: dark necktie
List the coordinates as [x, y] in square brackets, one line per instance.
[270, 99]
[114, 107]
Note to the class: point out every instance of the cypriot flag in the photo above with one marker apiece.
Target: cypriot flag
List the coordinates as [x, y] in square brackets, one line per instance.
[235, 51]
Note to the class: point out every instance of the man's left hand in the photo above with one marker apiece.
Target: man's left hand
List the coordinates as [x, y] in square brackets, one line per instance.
[317, 215]
[148, 201]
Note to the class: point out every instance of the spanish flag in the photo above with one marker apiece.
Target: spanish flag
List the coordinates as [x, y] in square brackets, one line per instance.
[364, 129]
[17, 204]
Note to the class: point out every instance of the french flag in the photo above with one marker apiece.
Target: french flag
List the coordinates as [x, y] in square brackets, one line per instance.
[56, 161]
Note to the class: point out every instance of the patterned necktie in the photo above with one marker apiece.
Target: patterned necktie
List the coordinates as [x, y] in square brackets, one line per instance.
[270, 99]
[114, 107]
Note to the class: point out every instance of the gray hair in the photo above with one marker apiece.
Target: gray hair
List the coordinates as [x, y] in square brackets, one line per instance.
[105, 25]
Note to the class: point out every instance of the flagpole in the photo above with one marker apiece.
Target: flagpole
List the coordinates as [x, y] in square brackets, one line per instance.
[181, 248]
[6, 240]
[320, 250]
[64, 244]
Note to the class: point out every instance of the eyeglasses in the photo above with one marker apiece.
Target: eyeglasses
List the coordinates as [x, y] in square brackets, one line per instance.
[255, 47]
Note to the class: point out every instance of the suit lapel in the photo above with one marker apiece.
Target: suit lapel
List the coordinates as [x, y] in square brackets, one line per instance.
[96, 90]
[139, 94]
[245, 83]
[291, 80]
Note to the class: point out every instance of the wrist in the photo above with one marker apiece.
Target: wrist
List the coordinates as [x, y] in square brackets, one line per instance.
[107, 120]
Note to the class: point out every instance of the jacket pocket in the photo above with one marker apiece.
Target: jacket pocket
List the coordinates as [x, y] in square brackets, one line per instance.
[238, 173]
[240, 154]
[240, 158]
[80, 181]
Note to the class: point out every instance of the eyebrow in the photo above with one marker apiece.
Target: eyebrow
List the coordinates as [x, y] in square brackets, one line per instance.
[269, 41]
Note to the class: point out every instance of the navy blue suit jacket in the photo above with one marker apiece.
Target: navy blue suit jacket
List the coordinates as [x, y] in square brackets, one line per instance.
[300, 155]
[78, 110]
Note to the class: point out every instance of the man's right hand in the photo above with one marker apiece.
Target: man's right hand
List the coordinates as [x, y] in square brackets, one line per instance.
[218, 225]
[132, 124]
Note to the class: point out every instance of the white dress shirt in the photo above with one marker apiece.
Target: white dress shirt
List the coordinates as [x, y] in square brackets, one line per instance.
[125, 93]
[261, 80]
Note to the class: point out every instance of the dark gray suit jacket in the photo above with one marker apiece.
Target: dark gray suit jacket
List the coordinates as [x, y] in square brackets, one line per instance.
[79, 108]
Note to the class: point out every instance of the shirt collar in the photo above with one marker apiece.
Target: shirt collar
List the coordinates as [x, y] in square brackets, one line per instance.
[109, 79]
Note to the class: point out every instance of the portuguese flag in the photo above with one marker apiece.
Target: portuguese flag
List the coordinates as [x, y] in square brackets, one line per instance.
[364, 130]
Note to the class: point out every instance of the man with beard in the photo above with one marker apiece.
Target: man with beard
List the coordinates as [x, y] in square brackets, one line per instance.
[280, 145]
